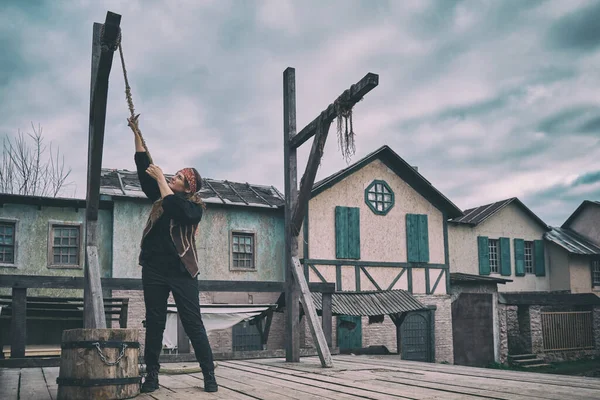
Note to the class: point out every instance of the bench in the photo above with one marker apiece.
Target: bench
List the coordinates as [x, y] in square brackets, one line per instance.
[46, 308]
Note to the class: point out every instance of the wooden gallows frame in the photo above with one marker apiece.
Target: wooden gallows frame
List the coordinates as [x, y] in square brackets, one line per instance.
[296, 201]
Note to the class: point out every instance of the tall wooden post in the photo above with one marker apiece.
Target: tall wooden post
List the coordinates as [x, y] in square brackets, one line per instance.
[296, 204]
[102, 55]
[292, 292]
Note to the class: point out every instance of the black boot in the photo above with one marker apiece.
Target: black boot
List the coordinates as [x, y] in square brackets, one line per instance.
[210, 382]
[151, 382]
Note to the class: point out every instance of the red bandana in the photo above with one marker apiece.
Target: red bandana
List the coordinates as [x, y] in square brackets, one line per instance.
[189, 175]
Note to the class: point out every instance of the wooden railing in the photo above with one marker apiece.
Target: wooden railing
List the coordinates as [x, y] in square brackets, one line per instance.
[570, 330]
[20, 284]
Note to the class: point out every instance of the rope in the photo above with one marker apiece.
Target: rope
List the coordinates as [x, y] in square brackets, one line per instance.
[134, 123]
[129, 99]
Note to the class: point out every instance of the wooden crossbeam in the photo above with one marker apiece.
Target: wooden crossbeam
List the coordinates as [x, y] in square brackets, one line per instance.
[319, 127]
[102, 57]
[76, 282]
[352, 95]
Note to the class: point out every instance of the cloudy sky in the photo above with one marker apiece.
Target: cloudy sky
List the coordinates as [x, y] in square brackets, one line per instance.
[490, 99]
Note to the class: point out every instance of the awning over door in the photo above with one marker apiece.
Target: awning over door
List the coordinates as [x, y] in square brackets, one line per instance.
[373, 303]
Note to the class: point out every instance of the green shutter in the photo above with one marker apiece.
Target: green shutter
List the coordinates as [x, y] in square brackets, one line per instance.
[539, 258]
[483, 245]
[354, 232]
[347, 232]
[505, 256]
[423, 239]
[341, 232]
[519, 245]
[412, 237]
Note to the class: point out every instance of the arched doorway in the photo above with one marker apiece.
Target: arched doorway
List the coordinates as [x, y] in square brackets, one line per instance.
[415, 337]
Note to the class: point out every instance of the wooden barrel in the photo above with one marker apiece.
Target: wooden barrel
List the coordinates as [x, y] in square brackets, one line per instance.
[99, 364]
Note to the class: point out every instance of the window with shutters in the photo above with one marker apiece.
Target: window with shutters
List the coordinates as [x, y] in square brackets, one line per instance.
[529, 257]
[417, 238]
[379, 197]
[347, 232]
[596, 273]
[493, 243]
[8, 243]
[64, 245]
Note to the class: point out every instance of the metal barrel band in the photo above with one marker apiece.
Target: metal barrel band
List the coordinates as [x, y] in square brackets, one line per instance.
[91, 344]
[98, 382]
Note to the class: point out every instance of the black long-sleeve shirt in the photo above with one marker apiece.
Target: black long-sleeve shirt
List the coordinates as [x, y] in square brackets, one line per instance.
[158, 249]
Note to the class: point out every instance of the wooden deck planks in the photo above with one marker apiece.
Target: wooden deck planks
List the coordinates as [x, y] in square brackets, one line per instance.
[50, 374]
[493, 387]
[290, 389]
[9, 383]
[352, 377]
[33, 385]
[457, 370]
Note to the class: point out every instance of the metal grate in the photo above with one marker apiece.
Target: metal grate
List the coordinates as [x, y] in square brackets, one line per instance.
[246, 337]
[571, 330]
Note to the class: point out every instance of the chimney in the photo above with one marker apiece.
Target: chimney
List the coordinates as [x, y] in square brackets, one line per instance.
[416, 168]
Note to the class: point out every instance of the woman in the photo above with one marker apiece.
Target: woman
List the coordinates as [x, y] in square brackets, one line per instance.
[169, 262]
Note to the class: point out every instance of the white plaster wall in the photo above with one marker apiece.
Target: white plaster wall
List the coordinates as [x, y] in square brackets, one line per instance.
[509, 222]
[382, 237]
[560, 278]
[587, 223]
[580, 274]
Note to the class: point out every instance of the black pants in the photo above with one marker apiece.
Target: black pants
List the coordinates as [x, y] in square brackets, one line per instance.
[157, 285]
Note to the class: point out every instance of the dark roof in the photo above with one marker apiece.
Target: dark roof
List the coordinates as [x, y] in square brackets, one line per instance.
[571, 241]
[477, 215]
[578, 211]
[123, 183]
[460, 277]
[44, 201]
[405, 171]
[548, 299]
[384, 302]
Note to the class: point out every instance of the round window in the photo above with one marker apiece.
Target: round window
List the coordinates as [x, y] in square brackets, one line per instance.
[379, 197]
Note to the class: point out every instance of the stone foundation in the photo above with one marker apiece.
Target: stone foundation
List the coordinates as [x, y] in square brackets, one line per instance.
[221, 341]
[444, 346]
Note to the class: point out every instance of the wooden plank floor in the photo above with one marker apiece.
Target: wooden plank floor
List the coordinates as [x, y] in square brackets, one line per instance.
[353, 377]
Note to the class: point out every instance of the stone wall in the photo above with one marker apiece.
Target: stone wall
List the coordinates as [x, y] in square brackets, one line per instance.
[384, 334]
[502, 345]
[221, 341]
[537, 337]
[518, 327]
[444, 347]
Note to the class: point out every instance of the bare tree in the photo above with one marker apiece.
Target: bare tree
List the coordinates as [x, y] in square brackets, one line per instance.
[25, 171]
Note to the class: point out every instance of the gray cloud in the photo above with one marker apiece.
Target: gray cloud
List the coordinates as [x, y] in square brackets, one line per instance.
[578, 30]
[472, 92]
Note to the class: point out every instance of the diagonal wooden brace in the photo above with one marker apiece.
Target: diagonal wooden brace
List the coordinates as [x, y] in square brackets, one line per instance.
[308, 179]
[308, 305]
[350, 96]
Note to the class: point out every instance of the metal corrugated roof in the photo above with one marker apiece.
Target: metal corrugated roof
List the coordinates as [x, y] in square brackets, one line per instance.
[370, 303]
[460, 277]
[124, 183]
[571, 241]
[475, 216]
